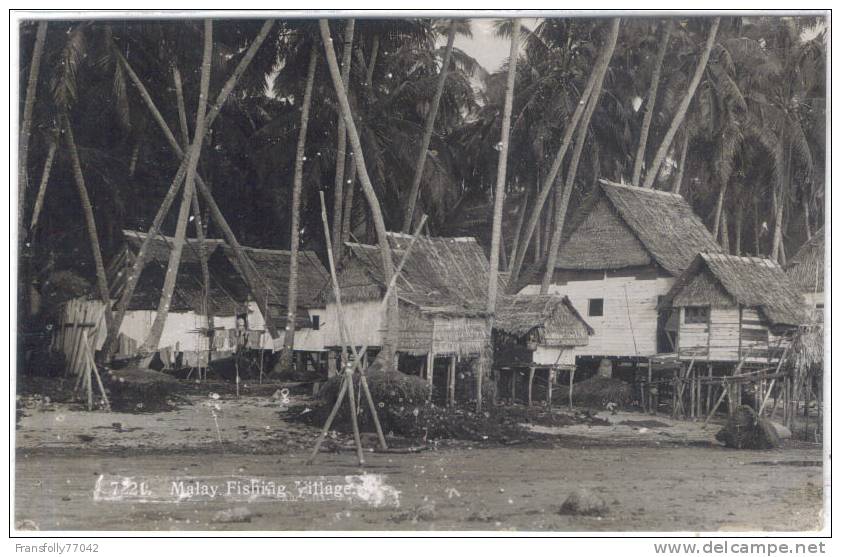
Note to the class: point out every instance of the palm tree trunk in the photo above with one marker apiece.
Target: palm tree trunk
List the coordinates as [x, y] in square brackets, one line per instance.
[805, 204]
[347, 211]
[724, 232]
[737, 248]
[207, 306]
[150, 345]
[652, 173]
[499, 194]
[549, 180]
[26, 126]
[562, 199]
[372, 60]
[518, 228]
[681, 165]
[135, 154]
[780, 198]
[386, 356]
[143, 252]
[429, 127]
[42, 187]
[341, 146]
[719, 205]
[295, 232]
[651, 102]
[90, 221]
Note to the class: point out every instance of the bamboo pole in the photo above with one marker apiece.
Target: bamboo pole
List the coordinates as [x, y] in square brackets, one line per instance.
[550, 374]
[531, 382]
[724, 392]
[451, 381]
[326, 428]
[571, 379]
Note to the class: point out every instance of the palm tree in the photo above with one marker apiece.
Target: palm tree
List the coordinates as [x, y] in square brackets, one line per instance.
[341, 148]
[499, 192]
[680, 114]
[150, 345]
[429, 126]
[562, 197]
[386, 355]
[295, 233]
[651, 101]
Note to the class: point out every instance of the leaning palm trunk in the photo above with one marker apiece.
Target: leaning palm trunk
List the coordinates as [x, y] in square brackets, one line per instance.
[143, 253]
[341, 147]
[42, 187]
[90, 222]
[681, 165]
[663, 150]
[562, 197]
[499, 194]
[650, 104]
[386, 356]
[207, 306]
[548, 182]
[719, 208]
[26, 125]
[294, 238]
[347, 211]
[429, 127]
[154, 336]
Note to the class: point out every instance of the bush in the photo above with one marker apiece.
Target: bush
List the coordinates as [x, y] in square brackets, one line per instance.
[596, 392]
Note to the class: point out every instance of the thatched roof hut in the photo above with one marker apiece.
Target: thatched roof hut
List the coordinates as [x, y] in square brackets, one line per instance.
[552, 318]
[720, 280]
[622, 226]
[441, 275]
[806, 268]
[228, 293]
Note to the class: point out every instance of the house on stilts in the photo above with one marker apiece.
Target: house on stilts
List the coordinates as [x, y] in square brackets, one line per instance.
[200, 326]
[442, 297]
[535, 334]
[622, 251]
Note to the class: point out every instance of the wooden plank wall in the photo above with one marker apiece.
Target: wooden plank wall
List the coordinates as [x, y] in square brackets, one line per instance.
[629, 324]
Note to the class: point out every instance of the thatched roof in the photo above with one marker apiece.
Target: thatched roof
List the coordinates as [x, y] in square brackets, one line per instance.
[806, 268]
[445, 275]
[749, 281]
[555, 316]
[228, 292]
[623, 226]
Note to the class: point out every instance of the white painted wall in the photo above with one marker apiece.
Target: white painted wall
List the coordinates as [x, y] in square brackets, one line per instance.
[629, 324]
[364, 323]
[549, 356]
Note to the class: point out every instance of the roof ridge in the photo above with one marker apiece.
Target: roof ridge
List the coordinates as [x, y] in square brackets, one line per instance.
[638, 189]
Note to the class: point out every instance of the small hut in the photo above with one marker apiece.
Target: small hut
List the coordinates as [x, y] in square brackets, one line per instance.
[199, 326]
[726, 308]
[442, 294]
[806, 270]
[534, 333]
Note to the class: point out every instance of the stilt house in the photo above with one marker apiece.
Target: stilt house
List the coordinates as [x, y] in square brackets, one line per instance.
[442, 293]
[727, 308]
[623, 249]
[189, 334]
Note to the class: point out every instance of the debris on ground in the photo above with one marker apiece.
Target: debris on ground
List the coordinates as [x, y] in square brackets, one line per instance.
[583, 502]
[596, 392]
[136, 389]
[746, 430]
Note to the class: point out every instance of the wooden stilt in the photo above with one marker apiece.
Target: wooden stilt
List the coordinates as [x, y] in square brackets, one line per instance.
[571, 381]
[724, 392]
[531, 384]
[451, 381]
[709, 388]
[430, 370]
[513, 386]
[550, 380]
[353, 418]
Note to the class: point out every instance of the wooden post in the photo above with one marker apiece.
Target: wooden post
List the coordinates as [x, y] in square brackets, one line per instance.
[430, 368]
[513, 385]
[331, 363]
[571, 379]
[692, 394]
[531, 382]
[451, 382]
[709, 387]
[550, 379]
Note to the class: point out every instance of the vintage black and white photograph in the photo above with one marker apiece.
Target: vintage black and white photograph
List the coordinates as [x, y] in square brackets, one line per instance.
[485, 272]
